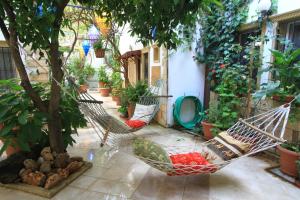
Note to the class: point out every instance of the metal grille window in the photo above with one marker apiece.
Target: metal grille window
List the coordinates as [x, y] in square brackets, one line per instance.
[293, 33]
[7, 68]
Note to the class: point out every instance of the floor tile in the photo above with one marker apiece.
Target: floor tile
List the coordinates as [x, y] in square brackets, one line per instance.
[83, 182]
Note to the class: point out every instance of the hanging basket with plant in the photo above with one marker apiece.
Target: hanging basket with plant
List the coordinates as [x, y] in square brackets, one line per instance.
[99, 49]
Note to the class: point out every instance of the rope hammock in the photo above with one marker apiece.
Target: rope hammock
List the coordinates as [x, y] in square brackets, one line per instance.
[108, 127]
[260, 132]
[246, 137]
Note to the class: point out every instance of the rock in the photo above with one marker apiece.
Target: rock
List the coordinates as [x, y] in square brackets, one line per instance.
[31, 164]
[52, 181]
[62, 160]
[45, 167]
[54, 154]
[40, 160]
[24, 172]
[64, 173]
[74, 166]
[11, 166]
[35, 178]
[46, 154]
[76, 158]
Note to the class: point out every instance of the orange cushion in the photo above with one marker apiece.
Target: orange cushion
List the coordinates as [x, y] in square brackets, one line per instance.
[183, 163]
[135, 123]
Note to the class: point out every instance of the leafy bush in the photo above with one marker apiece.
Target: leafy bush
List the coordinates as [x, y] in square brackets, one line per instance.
[292, 146]
[26, 124]
[133, 92]
[285, 72]
[82, 71]
[99, 44]
[103, 76]
[116, 83]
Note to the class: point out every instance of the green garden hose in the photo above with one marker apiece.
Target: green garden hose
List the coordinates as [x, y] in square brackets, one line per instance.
[198, 109]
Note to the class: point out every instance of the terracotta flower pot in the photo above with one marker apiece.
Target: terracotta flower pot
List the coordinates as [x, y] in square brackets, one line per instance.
[83, 88]
[118, 100]
[288, 161]
[130, 110]
[101, 84]
[207, 130]
[286, 99]
[100, 53]
[114, 98]
[11, 149]
[105, 92]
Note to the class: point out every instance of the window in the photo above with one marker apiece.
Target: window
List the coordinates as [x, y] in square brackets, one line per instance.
[293, 33]
[145, 66]
[7, 69]
[156, 54]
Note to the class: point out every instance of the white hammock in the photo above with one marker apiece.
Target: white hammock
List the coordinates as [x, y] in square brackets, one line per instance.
[110, 129]
[263, 131]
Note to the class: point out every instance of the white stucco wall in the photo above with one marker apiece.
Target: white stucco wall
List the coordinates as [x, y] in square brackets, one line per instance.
[1, 36]
[185, 78]
[127, 42]
[287, 5]
[283, 7]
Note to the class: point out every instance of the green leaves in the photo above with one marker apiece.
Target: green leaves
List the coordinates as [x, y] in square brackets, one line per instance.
[23, 117]
[6, 130]
[297, 98]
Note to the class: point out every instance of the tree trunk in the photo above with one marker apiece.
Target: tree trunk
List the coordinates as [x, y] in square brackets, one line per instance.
[55, 121]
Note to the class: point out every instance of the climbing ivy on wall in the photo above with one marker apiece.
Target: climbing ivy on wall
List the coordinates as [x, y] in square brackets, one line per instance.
[219, 33]
[226, 60]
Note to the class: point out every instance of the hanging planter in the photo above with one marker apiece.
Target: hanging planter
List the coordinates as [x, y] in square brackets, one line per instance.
[100, 53]
[99, 50]
[102, 25]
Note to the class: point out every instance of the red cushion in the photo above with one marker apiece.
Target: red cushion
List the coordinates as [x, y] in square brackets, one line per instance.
[190, 159]
[135, 123]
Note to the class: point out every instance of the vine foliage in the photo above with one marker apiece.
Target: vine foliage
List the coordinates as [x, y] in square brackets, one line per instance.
[219, 36]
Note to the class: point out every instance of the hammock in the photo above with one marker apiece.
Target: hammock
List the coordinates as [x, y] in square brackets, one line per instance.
[263, 131]
[108, 127]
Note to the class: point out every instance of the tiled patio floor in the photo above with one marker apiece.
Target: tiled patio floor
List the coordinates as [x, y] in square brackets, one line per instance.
[117, 175]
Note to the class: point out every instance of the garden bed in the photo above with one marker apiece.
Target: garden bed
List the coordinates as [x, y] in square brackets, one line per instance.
[49, 193]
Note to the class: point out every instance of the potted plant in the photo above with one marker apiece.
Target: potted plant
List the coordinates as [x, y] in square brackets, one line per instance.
[130, 95]
[23, 125]
[224, 112]
[102, 77]
[104, 86]
[210, 116]
[116, 81]
[21, 122]
[286, 75]
[123, 111]
[298, 169]
[82, 72]
[289, 154]
[99, 49]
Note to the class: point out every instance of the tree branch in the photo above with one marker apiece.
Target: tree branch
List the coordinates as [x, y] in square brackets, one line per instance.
[14, 47]
[4, 29]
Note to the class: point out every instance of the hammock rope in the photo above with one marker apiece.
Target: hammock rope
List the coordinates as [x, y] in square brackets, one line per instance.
[263, 131]
[109, 128]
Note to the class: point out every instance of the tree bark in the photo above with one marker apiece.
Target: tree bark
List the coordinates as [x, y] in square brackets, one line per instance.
[11, 37]
[55, 120]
